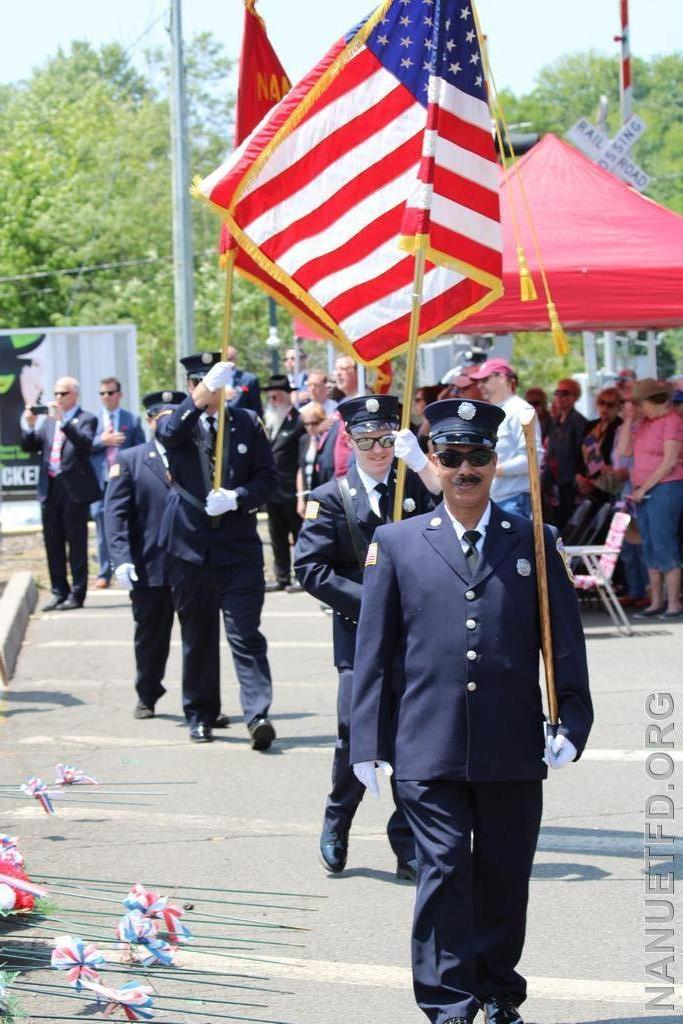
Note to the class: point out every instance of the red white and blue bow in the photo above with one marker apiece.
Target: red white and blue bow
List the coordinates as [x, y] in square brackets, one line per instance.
[67, 775]
[134, 999]
[78, 958]
[157, 907]
[39, 791]
[9, 851]
[139, 931]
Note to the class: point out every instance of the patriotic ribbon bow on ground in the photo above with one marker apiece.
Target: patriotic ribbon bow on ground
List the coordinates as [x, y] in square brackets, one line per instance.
[157, 907]
[384, 148]
[138, 931]
[39, 791]
[78, 958]
[67, 775]
[9, 851]
[134, 999]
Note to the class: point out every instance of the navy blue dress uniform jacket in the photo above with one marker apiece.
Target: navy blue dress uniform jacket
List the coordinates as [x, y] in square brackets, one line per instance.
[77, 473]
[325, 561]
[134, 506]
[129, 426]
[186, 530]
[469, 706]
[285, 446]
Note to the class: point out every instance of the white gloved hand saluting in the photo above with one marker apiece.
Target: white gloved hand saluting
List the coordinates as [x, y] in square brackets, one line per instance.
[366, 772]
[218, 502]
[407, 448]
[219, 376]
[126, 575]
[559, 751]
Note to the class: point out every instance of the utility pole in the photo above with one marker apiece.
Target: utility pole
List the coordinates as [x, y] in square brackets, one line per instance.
[625, 76]
[183, 257]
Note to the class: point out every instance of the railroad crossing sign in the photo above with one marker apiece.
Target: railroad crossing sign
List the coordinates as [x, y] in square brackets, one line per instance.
[612, 154]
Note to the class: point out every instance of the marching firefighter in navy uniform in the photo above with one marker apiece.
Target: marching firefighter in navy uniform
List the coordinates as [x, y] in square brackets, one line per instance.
[214, 553]
[453, 594]
[134, 505]
[340, 519]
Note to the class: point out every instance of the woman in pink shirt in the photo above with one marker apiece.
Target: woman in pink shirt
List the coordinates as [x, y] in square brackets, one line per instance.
[657, 477]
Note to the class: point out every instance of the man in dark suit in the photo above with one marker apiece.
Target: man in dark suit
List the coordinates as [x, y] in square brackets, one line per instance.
[284, 430]
[242, 390]
[117, 429]
[339, 521]
[134, 505]
[214, 553]
[66, 486]
[453, 595]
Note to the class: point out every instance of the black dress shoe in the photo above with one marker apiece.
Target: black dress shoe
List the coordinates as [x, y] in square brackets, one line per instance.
[273, 585]
[143, 711]
[334, 847]
[406, 870]
[69, 605]
[458, 1020]
[53, 604]
[262, 733]
[501, 1009]
[201, 733]
[221, 722]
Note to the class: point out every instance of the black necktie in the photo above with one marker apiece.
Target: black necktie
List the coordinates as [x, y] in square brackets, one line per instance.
[383, 491]
[471, 554]
[211, 445]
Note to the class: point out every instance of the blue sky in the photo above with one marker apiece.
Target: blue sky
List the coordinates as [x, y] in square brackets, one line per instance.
[523, 34]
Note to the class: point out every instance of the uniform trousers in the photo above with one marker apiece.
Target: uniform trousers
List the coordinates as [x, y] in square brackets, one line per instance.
[200, 594]
[347, 792]
[103, 557]
[475, 848]
[284, 523]
[153, 617]
[65, 522]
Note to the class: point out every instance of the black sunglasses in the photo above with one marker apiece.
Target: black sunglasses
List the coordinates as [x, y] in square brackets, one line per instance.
[61, 394]
[561, 393]
[451, 459]
[109, 393]
[312, 423]
[366, 444]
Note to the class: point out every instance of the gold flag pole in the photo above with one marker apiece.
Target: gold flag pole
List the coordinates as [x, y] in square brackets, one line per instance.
[223, 414]
[528, 420]
[411, 360]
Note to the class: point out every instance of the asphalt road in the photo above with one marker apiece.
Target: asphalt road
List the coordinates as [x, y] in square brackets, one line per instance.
[227, 817]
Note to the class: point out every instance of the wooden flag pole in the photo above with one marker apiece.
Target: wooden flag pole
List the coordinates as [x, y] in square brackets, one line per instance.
[528, 420]
[411, 360]
[223, 414]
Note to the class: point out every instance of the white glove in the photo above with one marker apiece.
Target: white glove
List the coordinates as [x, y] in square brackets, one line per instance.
[366, 772]
[218, 502]
[559, 750]
[219, 376]
[126, 575]
[408, 449]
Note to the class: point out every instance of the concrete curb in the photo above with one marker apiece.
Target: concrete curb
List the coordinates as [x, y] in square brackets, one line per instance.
[16, 606]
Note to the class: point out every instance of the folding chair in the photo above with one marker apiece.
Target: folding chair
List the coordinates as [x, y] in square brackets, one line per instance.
[573, 529]
[600, 561]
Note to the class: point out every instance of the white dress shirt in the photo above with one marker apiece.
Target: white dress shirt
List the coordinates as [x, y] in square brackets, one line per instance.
[369, 483]
[481, 528]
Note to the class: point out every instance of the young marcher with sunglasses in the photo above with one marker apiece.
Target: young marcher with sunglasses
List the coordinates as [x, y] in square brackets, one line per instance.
[339, 520]
[452, 595]
[117, 429]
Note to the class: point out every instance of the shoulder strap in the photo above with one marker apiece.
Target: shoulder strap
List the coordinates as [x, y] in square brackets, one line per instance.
[354, 529]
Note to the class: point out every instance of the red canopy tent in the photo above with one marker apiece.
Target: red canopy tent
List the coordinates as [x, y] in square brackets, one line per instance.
[614, 258]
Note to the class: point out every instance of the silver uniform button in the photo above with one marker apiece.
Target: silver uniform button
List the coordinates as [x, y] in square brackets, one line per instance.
[505, 524]
[471, 687]
[471, 655]
[471, 624]
[469, 595]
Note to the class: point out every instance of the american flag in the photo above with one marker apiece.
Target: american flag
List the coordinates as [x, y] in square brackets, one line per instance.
[385, 146]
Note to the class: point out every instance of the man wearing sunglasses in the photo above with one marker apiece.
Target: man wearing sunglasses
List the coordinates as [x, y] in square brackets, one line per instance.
[453, 596]
[117, 429]
[66, 486]
[339, 521]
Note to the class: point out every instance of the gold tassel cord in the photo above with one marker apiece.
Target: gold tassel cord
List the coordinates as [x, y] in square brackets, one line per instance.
[557, 331]
[527, 287]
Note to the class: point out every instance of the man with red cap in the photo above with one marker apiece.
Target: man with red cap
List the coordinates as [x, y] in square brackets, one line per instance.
[510, 487]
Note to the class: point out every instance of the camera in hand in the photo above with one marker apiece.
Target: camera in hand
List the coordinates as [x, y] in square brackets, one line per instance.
[40, 410]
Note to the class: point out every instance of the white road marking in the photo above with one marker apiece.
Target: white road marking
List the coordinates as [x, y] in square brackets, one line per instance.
[625, 755]
[276, 645]
[97, 616]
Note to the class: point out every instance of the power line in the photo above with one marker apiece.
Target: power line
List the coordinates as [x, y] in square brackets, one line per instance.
[85, 270]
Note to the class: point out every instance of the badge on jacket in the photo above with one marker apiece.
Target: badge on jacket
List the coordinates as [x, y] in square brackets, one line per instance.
[312, 510]
[373, 551]
[115, 470]
[565, 560]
